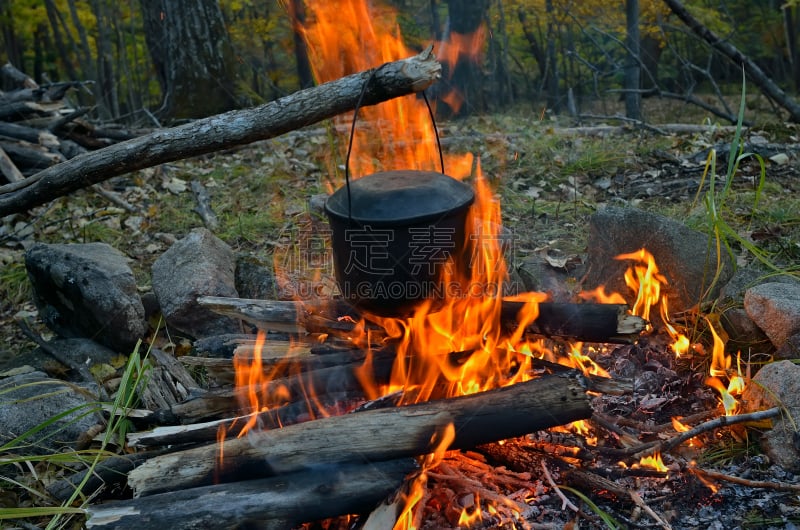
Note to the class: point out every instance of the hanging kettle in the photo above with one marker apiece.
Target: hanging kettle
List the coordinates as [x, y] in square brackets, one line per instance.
[393, 234]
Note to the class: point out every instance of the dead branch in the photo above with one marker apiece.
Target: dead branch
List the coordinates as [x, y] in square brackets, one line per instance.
[226, 130]
[762, 81]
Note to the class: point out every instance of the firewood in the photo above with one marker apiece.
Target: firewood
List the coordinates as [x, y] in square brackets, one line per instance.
[394, 79]
[8, 169]
[587, 322]
[331, 374]
[274, 503]
[372, 435]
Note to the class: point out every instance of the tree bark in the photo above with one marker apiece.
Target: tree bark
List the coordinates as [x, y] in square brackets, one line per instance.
[192, 53]
[274, 503]
[223, 131]
[372, 435]
[761, 80]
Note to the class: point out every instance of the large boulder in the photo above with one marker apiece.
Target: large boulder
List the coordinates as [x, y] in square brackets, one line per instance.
[87, 290]
[685, 257]
[200, 264]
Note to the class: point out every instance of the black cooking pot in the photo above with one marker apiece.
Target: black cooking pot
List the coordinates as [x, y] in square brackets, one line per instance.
[393, 234]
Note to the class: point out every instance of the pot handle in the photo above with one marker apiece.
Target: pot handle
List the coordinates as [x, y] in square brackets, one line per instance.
[353, 132]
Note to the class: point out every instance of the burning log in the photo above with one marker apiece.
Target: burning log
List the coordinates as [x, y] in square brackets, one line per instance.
[394, 79]
[321, 380]
[276, 503]
[372, 435]
[587, 322]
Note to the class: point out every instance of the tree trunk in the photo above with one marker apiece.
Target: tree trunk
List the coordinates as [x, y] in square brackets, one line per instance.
[297, 12]
[533, 43]
[193, 57]
[791, 22]
[466, 20]
[761, 80]
[551, 77]
[633, 98]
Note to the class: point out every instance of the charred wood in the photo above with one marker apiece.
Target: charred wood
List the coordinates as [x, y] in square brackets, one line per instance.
[275, 503]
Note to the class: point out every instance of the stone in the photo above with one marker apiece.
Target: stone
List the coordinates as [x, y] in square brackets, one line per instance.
[743, 334]
[536, 274]
[775, 308]
[31, 399]
[255, 279]
[200, 264]
[684, 256]
[777, 384]
[87, 290]
[790, 348]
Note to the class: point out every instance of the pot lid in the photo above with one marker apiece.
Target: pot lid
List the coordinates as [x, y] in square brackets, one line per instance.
[401, 196]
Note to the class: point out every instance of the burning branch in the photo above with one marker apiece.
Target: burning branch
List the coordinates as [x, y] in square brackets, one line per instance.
[373, 435]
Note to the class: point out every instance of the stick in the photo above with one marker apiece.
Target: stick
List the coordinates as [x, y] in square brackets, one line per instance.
[722, 421]
[226, 130]
[274, 503]
[373, 435]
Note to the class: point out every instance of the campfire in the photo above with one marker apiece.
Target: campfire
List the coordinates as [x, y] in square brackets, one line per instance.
[467, 412]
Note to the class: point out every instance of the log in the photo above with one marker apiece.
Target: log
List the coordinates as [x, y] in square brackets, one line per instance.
[274, 503]
[8, 169]
[226, 130]
[587, 322]
[372, 435]
[324, 375]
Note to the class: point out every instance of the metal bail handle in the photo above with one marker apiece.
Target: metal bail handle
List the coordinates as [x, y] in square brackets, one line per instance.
[353, 132]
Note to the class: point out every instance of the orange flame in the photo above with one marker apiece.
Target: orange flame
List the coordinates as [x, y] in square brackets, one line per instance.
[721, 368]
[654, 462]
[441, 441]
[645, 280]
[347, 36]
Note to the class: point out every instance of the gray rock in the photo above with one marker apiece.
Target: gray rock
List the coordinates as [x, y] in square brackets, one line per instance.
[682, 255]
[87, 290]
[775, 308]
[31, 399]
[777, 384]
[200, 264]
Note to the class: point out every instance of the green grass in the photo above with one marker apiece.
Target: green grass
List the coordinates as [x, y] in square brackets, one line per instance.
[38, 505]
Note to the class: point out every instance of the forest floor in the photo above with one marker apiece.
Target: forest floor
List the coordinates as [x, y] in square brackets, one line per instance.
[550, 177]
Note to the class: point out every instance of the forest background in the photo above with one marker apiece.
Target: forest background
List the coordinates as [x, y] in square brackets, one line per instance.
[557, 55]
